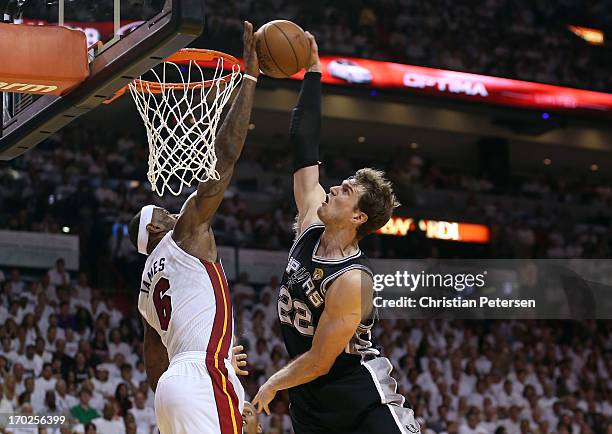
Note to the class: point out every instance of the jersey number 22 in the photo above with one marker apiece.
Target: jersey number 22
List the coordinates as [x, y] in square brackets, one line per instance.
[295, 313]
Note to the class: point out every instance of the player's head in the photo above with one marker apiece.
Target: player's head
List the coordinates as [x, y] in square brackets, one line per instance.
[250, 420]
[149, 226]
[363, 202]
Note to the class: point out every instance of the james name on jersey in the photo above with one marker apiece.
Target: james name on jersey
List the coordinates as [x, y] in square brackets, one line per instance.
[156, 267]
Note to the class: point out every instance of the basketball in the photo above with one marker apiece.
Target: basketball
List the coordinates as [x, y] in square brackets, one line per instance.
[282, 48]
[355, 174]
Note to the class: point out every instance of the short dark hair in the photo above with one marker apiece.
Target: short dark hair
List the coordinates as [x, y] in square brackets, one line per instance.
[472, 411]
[377, 200]
[133, 227]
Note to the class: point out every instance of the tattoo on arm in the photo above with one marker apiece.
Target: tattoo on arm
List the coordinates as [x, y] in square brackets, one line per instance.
[229, 142]
[230, 139]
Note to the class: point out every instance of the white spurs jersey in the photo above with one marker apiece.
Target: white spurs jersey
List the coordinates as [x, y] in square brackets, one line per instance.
[186, 301]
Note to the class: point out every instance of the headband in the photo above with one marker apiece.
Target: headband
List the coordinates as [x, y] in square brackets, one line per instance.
[146, 215]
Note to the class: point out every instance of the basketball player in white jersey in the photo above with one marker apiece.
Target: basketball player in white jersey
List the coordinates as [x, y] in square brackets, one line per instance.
[184, 296]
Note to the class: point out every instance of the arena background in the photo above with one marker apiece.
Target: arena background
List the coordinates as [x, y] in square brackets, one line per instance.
[535, 176]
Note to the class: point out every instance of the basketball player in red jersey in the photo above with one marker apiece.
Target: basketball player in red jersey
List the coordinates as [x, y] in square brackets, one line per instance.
[184, 297]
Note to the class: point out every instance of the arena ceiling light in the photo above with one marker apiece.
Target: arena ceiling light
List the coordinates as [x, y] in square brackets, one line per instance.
[592, 36]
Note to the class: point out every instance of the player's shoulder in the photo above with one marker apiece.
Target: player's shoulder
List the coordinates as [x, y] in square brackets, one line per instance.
[354, 278]
[351, 283]
[311, 232]
[313, 227]
[188, 223]
[348, 290]
[310, 219]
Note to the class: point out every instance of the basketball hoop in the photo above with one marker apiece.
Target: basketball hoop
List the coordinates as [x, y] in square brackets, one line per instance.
[181, 117]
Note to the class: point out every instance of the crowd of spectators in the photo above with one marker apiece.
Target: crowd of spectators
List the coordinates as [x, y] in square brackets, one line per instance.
[70, 349]
[90, 184]
[72, 345]
[470, 377]
[529, 41]
[495, 37]
[544, 223]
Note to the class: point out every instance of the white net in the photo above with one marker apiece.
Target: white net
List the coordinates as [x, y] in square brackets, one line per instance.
[181, 120]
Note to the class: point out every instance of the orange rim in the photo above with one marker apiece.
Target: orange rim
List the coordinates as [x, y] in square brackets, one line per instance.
[201, 57]
[185, 56]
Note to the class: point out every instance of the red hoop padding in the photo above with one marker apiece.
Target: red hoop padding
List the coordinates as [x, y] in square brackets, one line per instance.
[200, 56]
[47, 60]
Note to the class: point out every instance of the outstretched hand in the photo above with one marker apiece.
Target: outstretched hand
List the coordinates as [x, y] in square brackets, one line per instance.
[314, 63]
[239, 360]
[251, 63]
[265, 395]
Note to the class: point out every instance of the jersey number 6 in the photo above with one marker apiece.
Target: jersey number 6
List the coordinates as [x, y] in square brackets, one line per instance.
[163, 303]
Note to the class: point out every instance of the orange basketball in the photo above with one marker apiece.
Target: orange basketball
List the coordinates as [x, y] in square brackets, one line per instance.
[282, 48]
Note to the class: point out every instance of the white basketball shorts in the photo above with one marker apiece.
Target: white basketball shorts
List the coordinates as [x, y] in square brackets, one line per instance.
[199, 394]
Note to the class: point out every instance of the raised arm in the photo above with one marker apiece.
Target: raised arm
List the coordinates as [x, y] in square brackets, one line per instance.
[304, 134]
[229, 142]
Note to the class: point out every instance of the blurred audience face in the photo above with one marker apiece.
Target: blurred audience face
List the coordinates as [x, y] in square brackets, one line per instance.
[109, 411]
[18, 371]
[473, 418]
[60, 387]
[250, 420]
[102, 374]
[50, 399]
[139, 400]
[85, 397]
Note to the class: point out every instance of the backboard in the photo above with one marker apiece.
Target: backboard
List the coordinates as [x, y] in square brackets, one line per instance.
[130, 37]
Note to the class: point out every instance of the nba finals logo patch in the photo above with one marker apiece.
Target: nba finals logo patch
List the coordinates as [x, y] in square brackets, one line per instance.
[317, 274]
